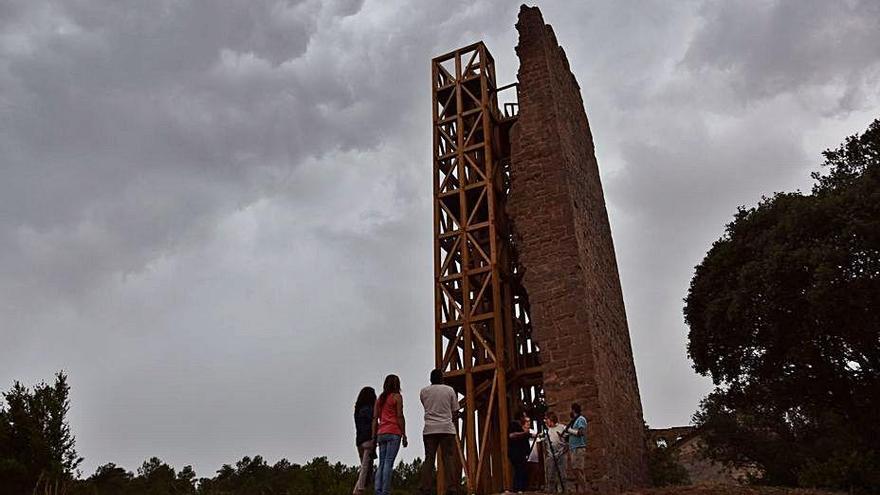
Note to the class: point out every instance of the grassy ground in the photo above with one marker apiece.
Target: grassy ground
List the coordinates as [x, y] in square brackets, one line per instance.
[728, 490]
[720, 490]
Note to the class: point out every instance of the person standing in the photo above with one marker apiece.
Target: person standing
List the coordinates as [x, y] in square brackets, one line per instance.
[577, 446]
[441, 405]
[363, 425]
[518, 449]
[555, 448]
[389, 430]
[533, 465]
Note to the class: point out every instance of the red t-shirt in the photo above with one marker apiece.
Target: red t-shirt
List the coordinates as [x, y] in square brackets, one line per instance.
[388, 418]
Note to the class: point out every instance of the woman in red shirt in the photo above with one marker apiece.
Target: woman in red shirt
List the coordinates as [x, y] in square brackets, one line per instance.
[389, 430]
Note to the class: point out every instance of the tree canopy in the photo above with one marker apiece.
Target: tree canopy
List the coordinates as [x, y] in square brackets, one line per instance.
[36, 444]
[784, 316]
[249, 476]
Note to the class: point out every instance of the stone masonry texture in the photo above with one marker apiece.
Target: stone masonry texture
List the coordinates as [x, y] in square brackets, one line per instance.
[563, 237]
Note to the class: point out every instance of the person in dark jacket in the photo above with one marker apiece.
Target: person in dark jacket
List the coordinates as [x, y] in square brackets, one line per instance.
[363, 424]
[519, 433]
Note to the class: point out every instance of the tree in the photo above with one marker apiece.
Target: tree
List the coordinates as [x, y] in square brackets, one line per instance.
[158, 478]
[253, 476]
[664, 468]
[108, 478]
[154, 478]
[36, 444]
[784, 316]
[405, 478]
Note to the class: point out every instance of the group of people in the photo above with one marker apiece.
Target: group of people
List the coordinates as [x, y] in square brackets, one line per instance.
[380, 425]
[380, 430]
[564, 448]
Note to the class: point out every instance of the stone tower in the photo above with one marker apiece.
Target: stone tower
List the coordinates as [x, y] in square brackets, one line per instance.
[528, 304]
[557, 209]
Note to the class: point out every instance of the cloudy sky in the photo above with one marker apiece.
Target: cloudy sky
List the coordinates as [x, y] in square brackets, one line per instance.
[216, 216]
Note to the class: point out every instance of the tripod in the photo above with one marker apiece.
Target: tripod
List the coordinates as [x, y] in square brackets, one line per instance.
[545, 431]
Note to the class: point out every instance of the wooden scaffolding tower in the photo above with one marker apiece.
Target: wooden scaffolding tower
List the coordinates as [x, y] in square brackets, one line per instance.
[482, 328]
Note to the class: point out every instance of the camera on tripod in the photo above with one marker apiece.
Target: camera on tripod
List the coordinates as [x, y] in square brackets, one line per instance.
[538, 410]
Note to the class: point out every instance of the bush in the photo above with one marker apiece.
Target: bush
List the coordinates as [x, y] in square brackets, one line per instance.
[665, 469]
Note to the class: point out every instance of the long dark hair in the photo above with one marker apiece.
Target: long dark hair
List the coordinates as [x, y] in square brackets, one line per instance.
[367, 397]
[391, 386]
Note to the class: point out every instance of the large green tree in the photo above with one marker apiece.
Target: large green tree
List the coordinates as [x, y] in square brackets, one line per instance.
[36, 444]
[784, 316]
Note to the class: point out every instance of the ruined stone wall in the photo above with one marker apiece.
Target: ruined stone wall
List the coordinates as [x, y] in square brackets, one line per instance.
[557, 208]
[669, 435]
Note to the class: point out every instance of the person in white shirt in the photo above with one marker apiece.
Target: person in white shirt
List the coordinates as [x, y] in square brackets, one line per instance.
[555, 447]
[441, 406]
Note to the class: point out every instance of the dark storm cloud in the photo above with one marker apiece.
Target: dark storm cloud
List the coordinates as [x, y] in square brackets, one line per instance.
[142, 122]
[207, 210]
[737, 100]
[216, 215]
[768, 48]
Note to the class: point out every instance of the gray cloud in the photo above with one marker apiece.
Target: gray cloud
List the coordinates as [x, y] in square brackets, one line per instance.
[769, 48]
[216, 215]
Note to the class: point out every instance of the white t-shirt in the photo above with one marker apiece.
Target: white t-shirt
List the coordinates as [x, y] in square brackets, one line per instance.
[556, 438]
[440, 402]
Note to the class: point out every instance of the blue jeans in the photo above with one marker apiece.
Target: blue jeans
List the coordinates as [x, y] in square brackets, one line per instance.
[389, 444]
